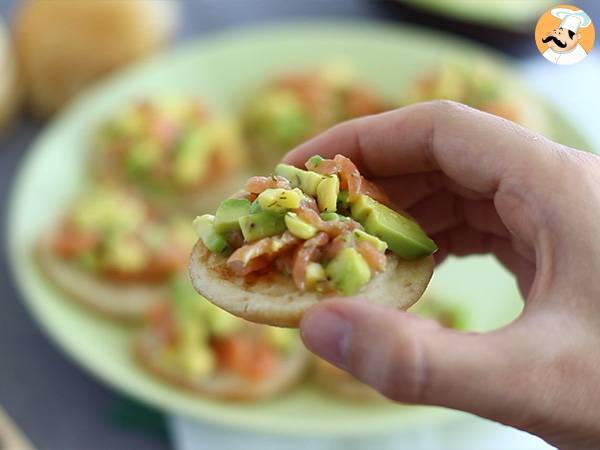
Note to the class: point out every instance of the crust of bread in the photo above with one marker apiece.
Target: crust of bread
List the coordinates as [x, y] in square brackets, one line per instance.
[56, 66]
[339, 383]
[10, 88]
[274, 299]
[222, 385]
[128, 302]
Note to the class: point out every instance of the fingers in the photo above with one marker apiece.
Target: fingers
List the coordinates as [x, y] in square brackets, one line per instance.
[444, 210]
[414, 360]
[473, 148]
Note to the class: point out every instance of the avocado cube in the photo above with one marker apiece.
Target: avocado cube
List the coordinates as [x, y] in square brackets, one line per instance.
[279, 200]
[229, 212]
[403, 235]
[348, 271]
[315, 273]
[314, 161]
[360, 235]
[327, 192]
[215, 242]
[299, 227]
[362, 207]
[260, 225]
[303, 179]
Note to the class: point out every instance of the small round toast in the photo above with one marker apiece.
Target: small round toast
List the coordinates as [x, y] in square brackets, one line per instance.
[222, 385]
[274, 299]
[122, 301]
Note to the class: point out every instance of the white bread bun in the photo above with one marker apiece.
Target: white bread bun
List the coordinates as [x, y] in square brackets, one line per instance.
[123, 301]
[64, 45]
[274, 299]
[222, 385]
[10, 90]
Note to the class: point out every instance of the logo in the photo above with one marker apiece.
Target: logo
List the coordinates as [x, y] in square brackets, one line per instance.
[565, 35]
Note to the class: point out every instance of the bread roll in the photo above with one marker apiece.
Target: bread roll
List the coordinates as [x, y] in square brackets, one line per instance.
[9, 88]
[64, 45]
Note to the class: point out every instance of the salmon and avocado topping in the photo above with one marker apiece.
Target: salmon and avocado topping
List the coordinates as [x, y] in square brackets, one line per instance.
[199, 340]
[171, 145]
[326, 227]
[113, 234]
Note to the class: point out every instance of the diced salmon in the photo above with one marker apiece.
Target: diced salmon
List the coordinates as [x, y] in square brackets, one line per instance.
[305, 254]
[267, 249]
[245, 356]
[256, 185]
[374, 258]
[69, 243]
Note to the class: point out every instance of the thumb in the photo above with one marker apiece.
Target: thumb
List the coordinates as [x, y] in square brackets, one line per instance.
[415, 360]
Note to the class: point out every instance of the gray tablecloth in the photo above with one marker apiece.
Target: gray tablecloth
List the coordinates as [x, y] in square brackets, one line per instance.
[56, 404]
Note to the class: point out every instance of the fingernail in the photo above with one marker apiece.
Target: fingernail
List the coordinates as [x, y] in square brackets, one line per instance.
[327, 333]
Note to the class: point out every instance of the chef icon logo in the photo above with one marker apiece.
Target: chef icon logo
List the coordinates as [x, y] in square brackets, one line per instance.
[564, 35]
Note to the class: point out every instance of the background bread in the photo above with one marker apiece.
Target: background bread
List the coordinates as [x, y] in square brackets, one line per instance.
[128, 302]
[225, 386]
[64, 45]
[275, 300]
[10, 90]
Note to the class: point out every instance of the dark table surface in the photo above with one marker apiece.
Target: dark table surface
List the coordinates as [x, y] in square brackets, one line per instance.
[57, 404]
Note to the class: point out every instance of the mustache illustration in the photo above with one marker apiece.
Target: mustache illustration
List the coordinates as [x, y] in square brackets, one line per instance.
[556, 41]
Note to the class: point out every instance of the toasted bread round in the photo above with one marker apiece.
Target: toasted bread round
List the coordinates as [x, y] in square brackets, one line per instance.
[222, 385]
[339, 383]
[274, 299]
[123, 301]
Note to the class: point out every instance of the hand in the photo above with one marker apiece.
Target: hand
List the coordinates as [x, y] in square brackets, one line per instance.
[480, 184]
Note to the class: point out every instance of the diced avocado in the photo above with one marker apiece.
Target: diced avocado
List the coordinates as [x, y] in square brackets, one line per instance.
[315, 273]
[229, 212]
[299, 227]
[348, 271]
[192, 158]
[305, 180]
[215, 242]
[221, 323]
[142, 156]
[254, 207]
[360, 235]
[403, 235]
[343, 203]
[329, 216]
[281, 338]
[128, 256]
[362, 207]
[313, 162]
[327, 192]
[260, 225]
[279, 200]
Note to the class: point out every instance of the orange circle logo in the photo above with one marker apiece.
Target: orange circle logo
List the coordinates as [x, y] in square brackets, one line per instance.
[565, 35]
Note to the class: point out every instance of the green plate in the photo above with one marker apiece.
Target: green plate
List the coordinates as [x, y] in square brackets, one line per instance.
[221, 70]
[513, 15]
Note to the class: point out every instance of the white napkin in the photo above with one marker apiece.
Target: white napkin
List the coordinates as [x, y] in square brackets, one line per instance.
[467, 433]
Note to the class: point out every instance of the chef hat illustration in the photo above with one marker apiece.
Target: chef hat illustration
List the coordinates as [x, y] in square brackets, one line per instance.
[572, 20]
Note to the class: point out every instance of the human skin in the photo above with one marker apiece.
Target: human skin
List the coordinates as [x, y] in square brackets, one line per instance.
[480, 184]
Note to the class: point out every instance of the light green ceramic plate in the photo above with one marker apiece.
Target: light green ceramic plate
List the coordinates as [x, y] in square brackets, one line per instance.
[221, 70]
[507, 14]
